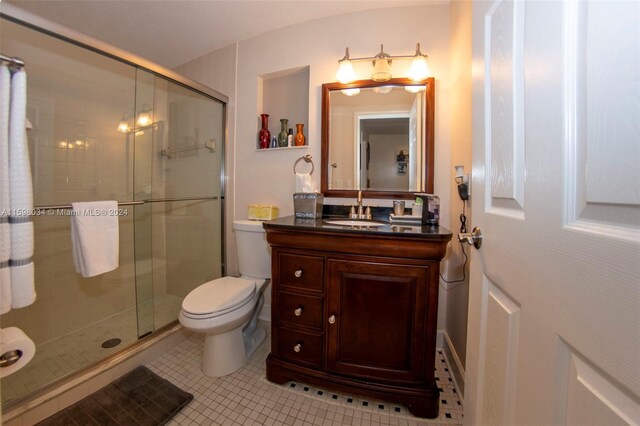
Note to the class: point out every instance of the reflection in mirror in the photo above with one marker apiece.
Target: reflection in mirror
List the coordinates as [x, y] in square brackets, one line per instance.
[376, 138]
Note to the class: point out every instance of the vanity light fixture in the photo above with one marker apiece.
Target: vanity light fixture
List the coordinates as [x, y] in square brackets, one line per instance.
[382, 90]
[123, 126]
[144, 118]
[418, 71]
[350, 92]
[345, 72]
[381, 66]
[415, 89]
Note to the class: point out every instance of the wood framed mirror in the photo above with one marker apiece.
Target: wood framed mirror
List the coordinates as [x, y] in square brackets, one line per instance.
[378, 137]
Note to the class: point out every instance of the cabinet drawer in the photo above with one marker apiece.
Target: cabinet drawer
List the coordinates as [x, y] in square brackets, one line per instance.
[298, 309]
[299, 346]
[302, 272]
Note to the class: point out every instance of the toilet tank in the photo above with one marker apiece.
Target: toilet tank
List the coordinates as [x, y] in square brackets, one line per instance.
[254, 253]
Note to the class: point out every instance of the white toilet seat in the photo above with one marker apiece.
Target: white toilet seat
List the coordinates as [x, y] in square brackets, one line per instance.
[218, 297]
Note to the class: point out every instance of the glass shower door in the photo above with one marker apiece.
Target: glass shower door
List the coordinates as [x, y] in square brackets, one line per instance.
[144, 130]
[107, 130]
[75, 100]
[187, 172]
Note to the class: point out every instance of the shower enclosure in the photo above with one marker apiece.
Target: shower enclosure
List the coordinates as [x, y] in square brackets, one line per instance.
[104, 128]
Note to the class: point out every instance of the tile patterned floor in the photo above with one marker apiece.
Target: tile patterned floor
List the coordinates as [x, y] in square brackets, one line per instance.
[54, 359]
[247, 398]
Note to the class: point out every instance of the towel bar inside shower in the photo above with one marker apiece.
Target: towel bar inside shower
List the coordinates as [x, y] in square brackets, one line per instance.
[131, 203]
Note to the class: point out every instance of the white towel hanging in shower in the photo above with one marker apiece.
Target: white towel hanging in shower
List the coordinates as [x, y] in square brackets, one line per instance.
[20, 195]
[5, 232]
[95, 237]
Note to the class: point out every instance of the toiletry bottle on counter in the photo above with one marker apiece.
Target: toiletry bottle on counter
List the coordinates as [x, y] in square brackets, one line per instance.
[430, 209]
[274, 142]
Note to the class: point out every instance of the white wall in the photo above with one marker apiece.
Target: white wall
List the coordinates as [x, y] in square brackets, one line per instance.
[457, 294]
[266, 177]
[263, 176]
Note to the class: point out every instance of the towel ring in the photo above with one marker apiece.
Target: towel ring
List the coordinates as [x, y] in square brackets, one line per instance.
[307, 159]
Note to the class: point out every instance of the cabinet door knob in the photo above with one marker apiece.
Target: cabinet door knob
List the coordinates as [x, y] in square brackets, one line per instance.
[297, 312]
[332, 319]
[298, 273]
[297, 348]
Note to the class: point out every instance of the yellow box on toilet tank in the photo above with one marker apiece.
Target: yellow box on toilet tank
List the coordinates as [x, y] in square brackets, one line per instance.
[262, 212]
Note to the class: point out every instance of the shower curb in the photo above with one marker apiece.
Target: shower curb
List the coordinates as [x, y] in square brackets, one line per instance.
[67, 391]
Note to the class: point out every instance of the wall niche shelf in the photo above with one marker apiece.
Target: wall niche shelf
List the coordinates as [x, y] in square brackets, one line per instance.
[284, 94]
[284, 148]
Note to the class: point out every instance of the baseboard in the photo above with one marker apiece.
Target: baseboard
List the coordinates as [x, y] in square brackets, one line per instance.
[457, 370]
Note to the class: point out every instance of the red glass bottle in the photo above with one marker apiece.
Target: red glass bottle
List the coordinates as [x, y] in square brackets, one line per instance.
[264, 135]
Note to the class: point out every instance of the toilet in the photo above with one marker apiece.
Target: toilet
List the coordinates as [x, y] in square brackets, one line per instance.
[226, 309]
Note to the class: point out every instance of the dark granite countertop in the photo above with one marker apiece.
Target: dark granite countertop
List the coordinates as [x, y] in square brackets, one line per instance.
[386, 229]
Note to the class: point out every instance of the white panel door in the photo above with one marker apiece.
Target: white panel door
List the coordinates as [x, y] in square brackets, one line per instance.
[554, 310]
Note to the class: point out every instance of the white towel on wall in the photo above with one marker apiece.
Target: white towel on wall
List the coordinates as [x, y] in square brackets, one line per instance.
[95, 237]
[5, 232]
[20, 197]
[304, 183]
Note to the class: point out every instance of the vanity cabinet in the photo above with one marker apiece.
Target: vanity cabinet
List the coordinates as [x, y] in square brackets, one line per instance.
[356, 311]
[377, 316]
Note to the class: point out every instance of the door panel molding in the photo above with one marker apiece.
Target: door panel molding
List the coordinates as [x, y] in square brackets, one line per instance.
[504, 108]
[499, 336]
[602, 186]
[588, 397]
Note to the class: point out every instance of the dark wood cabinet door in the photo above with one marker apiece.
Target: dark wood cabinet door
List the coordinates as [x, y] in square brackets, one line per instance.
[377, 316]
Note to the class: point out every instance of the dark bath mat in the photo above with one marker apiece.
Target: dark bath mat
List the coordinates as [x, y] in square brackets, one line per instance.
[140, 397]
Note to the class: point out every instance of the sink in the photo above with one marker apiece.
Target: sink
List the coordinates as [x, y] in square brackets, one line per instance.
[353, 222]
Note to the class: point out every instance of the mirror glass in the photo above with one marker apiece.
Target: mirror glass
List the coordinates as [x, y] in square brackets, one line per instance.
[377, 138]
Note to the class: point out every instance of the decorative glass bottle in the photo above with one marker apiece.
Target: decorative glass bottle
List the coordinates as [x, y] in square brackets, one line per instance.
[264, 135]
[299, 139]
[282, 136]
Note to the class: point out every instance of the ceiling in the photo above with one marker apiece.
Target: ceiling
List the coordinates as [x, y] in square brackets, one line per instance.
[173, 32]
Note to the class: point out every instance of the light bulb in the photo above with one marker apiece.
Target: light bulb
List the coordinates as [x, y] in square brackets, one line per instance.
[382, 90]
[414, 89]
[144, 119]
[350, 92]
[419, 69]
[381, 70]
[123, 126]
[381, 66]
[345, 72]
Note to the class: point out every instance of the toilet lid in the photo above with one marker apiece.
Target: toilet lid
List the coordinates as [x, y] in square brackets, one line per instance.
[217, 295]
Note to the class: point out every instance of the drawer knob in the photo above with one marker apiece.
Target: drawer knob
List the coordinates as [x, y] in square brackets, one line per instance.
[297, 348]
[297, 312]
[298, 273]
[332, 319]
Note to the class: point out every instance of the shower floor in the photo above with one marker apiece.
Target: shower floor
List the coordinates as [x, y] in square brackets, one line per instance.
[57, 358]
